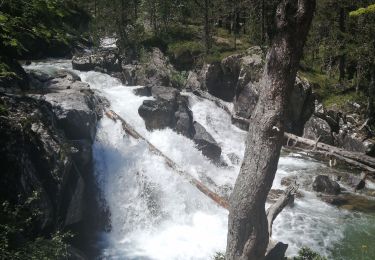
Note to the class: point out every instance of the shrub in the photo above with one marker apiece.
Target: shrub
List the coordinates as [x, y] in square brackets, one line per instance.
[17, 233]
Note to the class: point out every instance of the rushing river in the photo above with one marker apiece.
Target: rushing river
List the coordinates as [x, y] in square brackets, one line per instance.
[155, 214]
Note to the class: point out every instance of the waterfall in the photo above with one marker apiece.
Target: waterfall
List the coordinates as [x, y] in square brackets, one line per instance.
[155, 214]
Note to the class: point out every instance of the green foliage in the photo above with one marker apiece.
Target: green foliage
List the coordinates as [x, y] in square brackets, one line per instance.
[363, 11]
[3, 108]
[5, 72]
[178, 48]
[179, 78]
[17, 233]
[307, 254]
[28, 24]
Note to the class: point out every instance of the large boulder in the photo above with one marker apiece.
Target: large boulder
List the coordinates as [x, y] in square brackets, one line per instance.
[167, 109]
[300, 107]
[237, 78]
[206, 143]
[73, 104]
[184, 118]
[106, 60]
[47, 148]
[153, 70]
[227, 78]
[160, 112]
[324, 184]
[316, 128]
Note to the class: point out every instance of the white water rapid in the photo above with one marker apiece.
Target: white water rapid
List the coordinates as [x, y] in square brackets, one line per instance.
[155, 214]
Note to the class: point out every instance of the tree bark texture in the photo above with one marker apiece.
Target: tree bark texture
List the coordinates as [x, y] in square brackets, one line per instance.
[248, 234]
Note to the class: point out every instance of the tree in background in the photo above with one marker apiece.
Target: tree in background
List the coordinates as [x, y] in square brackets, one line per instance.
[365, 52]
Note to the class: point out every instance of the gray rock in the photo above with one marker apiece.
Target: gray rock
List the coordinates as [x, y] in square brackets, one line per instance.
[106, 60]
[168, 109]
[72, 103]
[184, 119]
[236, 78]
[227, 78]
[246, 101]
[316, 127]
[156, 70]
[324, 184]
[143, 92]
[234, 158]
[277, 252]
[206, 143]
[158, 114]
[300, 107]
[192, 82]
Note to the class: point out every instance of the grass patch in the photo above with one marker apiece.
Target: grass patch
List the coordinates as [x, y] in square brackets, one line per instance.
[342, 100]
[329, 92]
[176, 49]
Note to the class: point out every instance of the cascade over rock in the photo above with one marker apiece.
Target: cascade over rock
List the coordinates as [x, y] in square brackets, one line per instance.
[170, 109]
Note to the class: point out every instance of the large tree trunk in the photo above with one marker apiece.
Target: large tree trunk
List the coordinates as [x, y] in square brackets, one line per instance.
[371, 90]
[342, 57]
[247, 225]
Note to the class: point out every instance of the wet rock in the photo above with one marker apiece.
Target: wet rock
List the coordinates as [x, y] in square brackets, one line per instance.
[168, 109]
[277, 252]
[143, 92]
[206, 143]
[324, 184]
[234, 158]
[184, 118]
[157, 114]
[160, 113]
[318, 128]
[350, 201]
[105, 59]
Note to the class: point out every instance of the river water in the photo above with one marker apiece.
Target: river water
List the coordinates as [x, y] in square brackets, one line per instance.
[155, 214]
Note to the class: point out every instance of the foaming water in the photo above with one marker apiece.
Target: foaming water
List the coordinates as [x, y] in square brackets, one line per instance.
[155, 214]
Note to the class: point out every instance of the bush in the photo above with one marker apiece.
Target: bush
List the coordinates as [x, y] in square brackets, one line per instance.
[306, 253]
[18, 239]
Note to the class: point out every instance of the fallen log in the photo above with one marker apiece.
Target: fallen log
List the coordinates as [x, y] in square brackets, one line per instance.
[222, 202]
[340, 158]
[359, 160]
